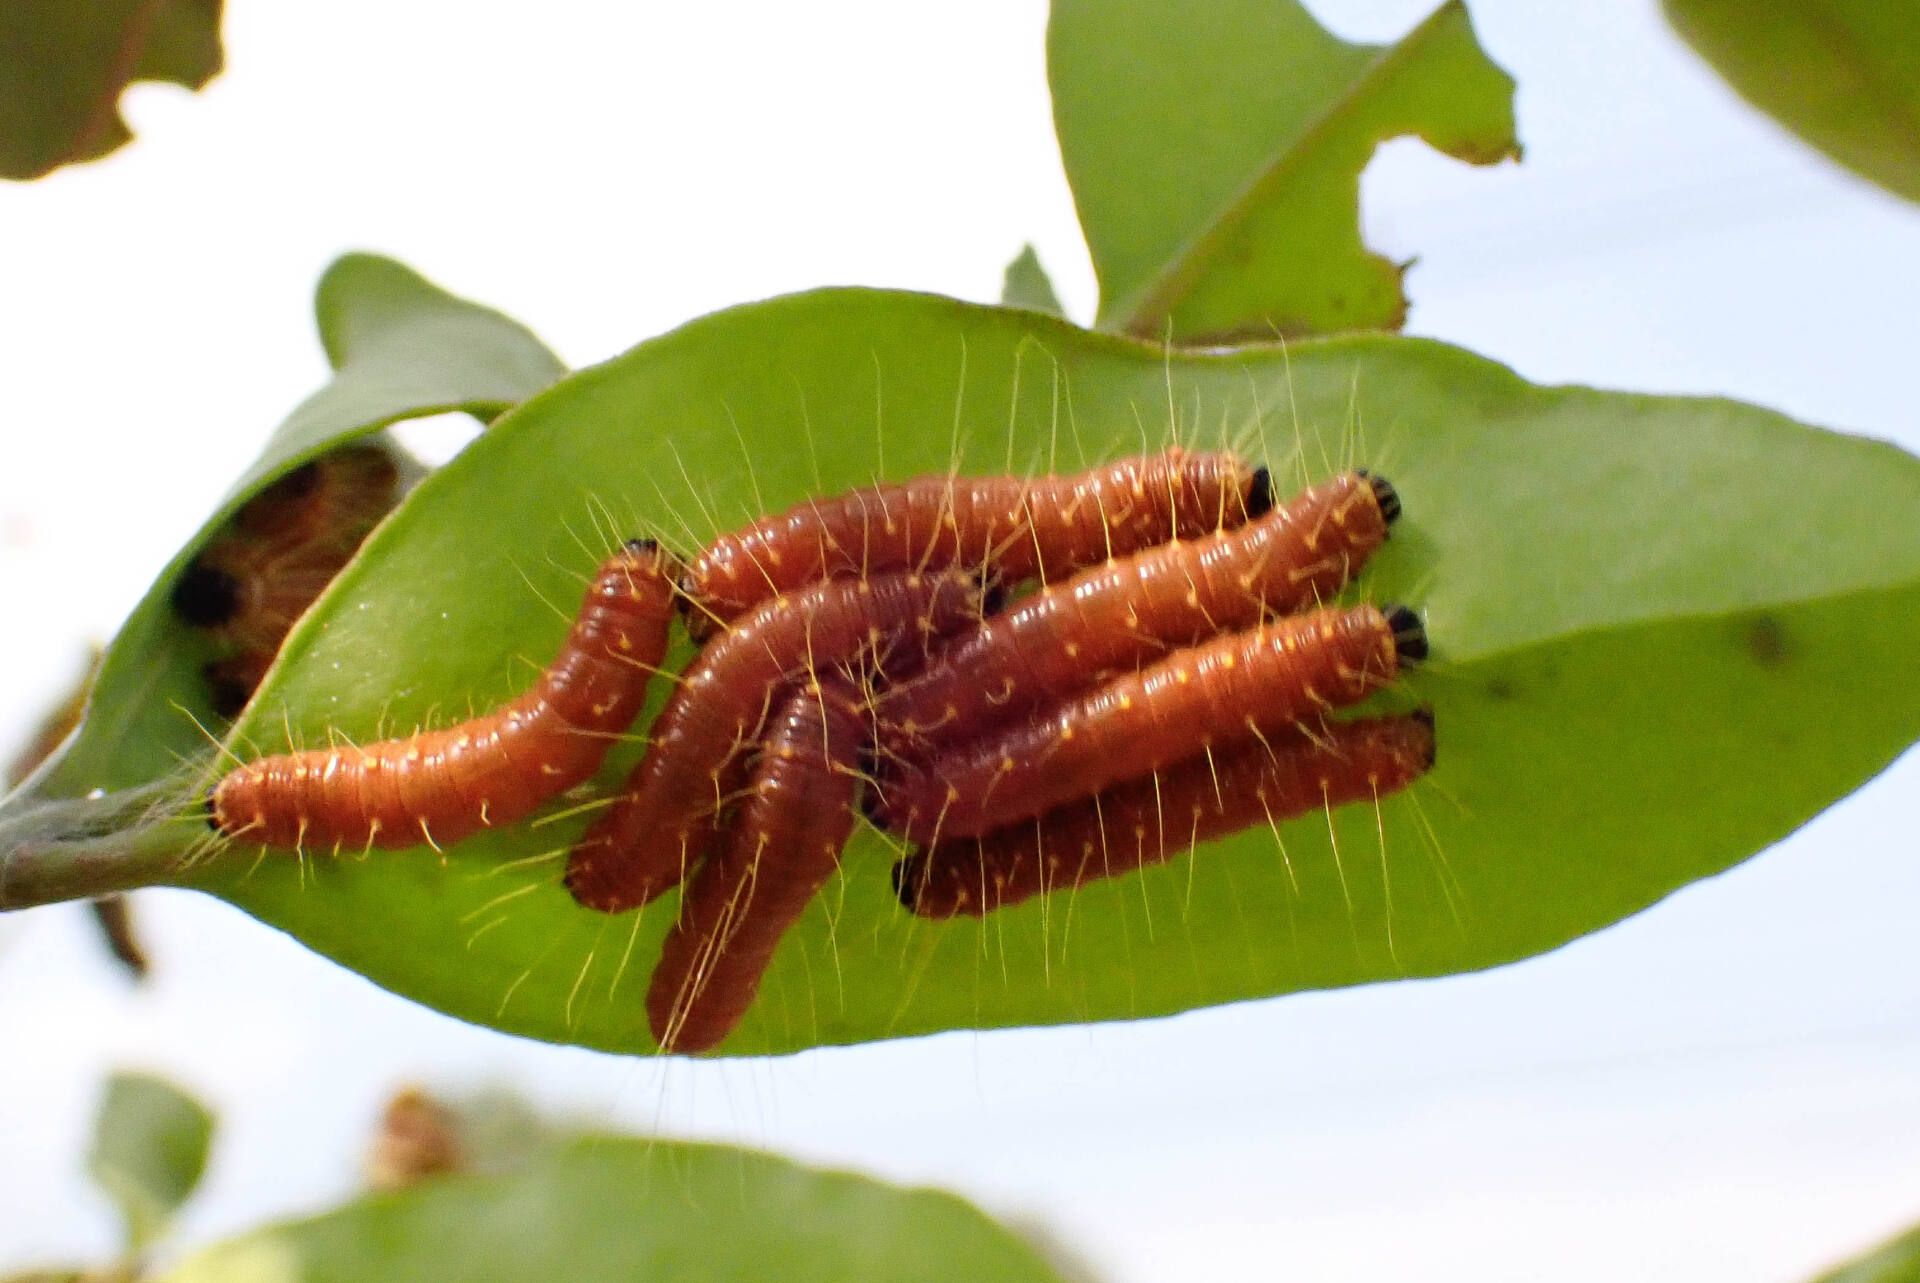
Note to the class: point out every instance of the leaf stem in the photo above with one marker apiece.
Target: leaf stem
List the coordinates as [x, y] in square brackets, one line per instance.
[54, 849]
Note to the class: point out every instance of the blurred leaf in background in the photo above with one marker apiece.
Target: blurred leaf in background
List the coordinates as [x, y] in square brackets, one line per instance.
[150, 1144]
[1842, 74]
[619, 1209]
[1897, 1261]
[64, 63]
[1215, 151]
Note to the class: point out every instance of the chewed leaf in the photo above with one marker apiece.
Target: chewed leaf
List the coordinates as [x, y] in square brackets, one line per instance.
[64, 65]
[401, 348]
[1842, 74]
[1636, 680]
[1215, 157]
[608, 1209]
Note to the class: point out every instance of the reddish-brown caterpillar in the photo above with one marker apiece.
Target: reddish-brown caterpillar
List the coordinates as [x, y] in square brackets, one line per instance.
[657, 828]
[1154, 819]
[1231, 688]
[780, 848]
[441, 786]
[1110, 618]
[275, 556]
[1017, 528]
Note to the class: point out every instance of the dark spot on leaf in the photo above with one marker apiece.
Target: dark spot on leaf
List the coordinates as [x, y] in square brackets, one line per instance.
[1502, 689]
[1765, 638]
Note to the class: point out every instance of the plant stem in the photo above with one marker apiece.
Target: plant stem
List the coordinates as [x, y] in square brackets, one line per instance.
[54, 849]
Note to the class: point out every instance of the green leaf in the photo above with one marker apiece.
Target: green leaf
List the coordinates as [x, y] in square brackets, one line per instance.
[1027, 286]
[149, 1149]
[64, 63]
[624, 1209]
[1662, 631]
[401, 348]
[1215, 154]
[1842, 74]
[1894, 1262]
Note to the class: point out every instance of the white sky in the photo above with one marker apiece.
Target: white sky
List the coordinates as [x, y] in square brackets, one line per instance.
[1723, 1088]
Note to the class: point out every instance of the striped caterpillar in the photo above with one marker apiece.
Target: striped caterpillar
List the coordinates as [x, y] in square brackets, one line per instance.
[1116, 616]
[441, 786]
[1235, 687]
[275, 556]
[658, 826]
[1150, 820]
[779, 849]
[1015, 527]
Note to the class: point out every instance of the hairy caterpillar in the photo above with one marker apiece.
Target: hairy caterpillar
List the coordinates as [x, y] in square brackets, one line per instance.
[779, 849]
[657, 827]
[1231, 688]
[1015, 527]
[1069, 636]
[441, 786]
[275, 556]
[1154, 819]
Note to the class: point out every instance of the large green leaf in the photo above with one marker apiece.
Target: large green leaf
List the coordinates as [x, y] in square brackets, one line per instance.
[1215, 154]
[629, 1210]
[401, 347]
[1842, 74]
[1662, 630]
[64, 63]
[1897, 1261]
[149, 1149]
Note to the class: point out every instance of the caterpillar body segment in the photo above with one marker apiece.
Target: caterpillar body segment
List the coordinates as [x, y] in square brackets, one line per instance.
[440, 786]
[777, 850]
[1116, 616]
[1147, 821]
[656, 829]
[1229, 689]
[1016, 528]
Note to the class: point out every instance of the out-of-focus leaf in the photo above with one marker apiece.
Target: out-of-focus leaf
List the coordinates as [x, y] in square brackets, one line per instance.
[1215, 154]
[401, 348]
[1894, 1262]
[149, 1149]
[1027, 286]
[1842, 74]
[64, 63]
[1638, 681]
[624, 1210]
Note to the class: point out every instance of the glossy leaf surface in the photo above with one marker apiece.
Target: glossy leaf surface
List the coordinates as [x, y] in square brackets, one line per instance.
[1662, 629]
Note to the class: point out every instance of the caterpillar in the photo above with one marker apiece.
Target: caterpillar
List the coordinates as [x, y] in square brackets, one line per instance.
[657, 826]
[275, 556]
[441, 786]
[1231, 688]
[779, 849]
[1069, 636]
[1018, 528]
[1154, 819]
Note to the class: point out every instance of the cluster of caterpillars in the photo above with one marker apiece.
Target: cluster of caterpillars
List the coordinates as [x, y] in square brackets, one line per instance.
[1169, 681]
[273, 557]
